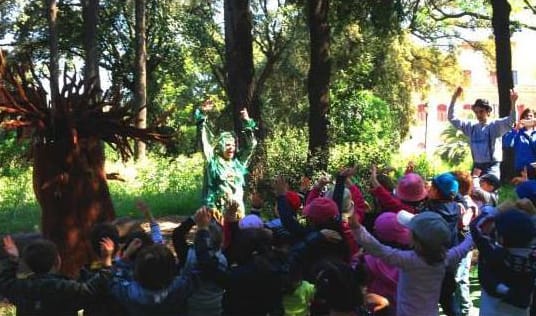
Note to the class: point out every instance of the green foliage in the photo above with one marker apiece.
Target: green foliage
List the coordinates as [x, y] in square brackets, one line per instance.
[454, 149]
[169, 186]
[13, 153]
[286, 152]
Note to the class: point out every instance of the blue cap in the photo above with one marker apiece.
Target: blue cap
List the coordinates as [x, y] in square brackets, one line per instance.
[527, 189]
[447, 184]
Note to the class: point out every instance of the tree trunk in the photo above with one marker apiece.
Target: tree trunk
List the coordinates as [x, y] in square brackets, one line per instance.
[318, 84]
[54, 52]
[503, 57]
[239, 58]
[70, 186]
[140, 96]
[90, 9]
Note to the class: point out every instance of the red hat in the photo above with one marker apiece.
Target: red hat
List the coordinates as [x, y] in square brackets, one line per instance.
[321, 210]
[294, 200]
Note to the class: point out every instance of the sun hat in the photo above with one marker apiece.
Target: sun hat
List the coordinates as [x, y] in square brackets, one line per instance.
[447, 184]
[250, 221]
[321, 210]
[482, 103]
[388, 229]
[431, 229]
[411, 188]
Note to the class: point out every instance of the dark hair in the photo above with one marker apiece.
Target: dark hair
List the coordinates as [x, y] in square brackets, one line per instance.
[155, 267]
[465, 180]
[100, 231]
[40, 255]
[340, 286]
[143, 236]
[430, 255]
[526, 113]
[250, 242]
[482, 103]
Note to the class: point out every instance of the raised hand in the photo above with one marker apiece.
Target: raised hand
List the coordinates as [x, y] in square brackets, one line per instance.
[145, 210]
[457, 92]
[513, 96]
[107, 247]
[244, 114]
[132, 248]
[280, 185]
[374, 177]
[10, 247]
[305, 184]
[202, 217]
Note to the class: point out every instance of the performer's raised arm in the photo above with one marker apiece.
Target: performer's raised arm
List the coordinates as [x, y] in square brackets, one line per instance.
[248, 128]
[201, 120]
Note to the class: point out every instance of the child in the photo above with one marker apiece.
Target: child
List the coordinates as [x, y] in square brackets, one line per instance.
[409, 194]
[45, 292]
[421, 269]
[485, 189]
[298, 294]
[382, 277]
[507, 269]
[103, 304]
[156, 289]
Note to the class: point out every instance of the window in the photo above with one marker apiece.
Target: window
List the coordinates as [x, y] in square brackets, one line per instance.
[442, 112]
[421, 112]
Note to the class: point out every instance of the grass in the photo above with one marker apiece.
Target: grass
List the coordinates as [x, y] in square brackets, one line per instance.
[168, 186]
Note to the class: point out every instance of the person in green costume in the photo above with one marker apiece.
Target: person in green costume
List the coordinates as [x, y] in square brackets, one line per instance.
[226, 167]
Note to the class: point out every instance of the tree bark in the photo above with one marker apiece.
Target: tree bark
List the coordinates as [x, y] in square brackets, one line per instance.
[90, 9]
[239, 58]
[54, 52]
[140, 97]
[70, 185]
[503, 58]
[318, 83]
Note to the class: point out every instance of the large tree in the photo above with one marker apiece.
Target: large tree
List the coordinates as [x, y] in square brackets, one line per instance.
[318, 83]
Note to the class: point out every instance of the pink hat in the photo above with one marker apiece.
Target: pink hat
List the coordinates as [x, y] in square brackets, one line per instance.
[388, 229]
[321, 210]
[411, 188]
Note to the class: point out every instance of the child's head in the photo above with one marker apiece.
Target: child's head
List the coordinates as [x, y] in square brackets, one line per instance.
[430, 232]
[388, 230]
[41, 256]
[489, 183]
[321, 211]
[339, 285]
[444, 187]
[141, 235]
[527, 190]
[155, 267]
[410, 188]
[100, 231]
[515, 228]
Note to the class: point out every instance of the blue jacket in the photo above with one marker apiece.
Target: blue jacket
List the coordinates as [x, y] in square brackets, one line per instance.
[524, 146]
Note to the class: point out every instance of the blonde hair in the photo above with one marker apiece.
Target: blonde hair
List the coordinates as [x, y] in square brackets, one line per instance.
[524, 205]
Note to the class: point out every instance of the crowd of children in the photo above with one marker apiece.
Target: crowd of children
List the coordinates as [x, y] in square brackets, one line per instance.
[327, 252]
